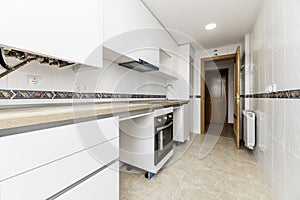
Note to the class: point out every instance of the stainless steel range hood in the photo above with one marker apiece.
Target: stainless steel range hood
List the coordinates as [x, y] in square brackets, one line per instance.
[141, 66]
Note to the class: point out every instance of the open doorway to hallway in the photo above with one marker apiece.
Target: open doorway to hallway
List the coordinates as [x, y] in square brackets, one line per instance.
[220, 94]
[218, 86]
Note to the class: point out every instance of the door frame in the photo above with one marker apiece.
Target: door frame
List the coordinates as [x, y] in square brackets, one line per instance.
[226, 91]
[202, 85]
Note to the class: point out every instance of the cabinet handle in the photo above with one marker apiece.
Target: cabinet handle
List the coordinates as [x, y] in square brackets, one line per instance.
[70, 187]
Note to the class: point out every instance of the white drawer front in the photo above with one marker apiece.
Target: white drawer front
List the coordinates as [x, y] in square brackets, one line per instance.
[20, 153]
[23, 152]
[104, 185]
[97, 131]
[48, 180]
[105, 152]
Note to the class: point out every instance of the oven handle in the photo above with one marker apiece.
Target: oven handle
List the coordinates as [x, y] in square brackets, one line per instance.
[164, 127]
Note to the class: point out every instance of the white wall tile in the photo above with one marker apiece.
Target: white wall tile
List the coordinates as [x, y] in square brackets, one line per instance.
[3, 80]
[292, 139]
[292, 176]
[275, 51]
[279, 161]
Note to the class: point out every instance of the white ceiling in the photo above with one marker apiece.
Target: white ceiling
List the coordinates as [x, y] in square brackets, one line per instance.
[234, 18]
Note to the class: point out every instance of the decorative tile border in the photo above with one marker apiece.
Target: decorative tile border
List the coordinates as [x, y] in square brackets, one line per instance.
[286, 94]
[29, 94]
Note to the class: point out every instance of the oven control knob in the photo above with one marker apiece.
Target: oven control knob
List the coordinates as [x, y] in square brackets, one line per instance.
[170, 116]
[159, 119]
[165, 117]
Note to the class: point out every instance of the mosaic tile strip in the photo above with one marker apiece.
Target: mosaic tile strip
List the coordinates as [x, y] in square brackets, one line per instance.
[6, 94]
[30, 94]
[286, 94]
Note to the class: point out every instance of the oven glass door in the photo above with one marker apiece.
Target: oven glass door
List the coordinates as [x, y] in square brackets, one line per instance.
[163, 141]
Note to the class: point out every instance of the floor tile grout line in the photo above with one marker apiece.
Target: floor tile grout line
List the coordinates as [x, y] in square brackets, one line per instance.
[180, 182]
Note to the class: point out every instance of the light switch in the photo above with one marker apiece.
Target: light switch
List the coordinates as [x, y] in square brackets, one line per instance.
[34, 80]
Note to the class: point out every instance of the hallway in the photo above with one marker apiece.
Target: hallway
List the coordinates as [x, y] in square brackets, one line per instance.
[225, 174]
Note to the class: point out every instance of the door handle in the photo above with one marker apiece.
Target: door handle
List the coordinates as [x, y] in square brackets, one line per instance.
[161, 140]
[164, 127]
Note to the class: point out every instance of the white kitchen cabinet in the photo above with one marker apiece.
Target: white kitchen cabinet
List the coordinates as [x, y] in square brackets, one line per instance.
[65, 29]
[181, 123]
[131, 30]
[187, 119]
[125, 29]
[46, 181]
[103, 185]
[181, 85]
[97, 131]
[22, 152]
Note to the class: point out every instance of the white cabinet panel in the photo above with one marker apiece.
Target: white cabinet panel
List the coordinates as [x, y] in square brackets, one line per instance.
[187, 125]
[182, 123]
[98, 131]
[104, 185]
[66, 29]
[130, 29]
[48, 180]
[178, 124]
[20, 153]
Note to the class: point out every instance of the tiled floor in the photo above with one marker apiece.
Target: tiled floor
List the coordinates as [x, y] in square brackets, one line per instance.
[225, 174]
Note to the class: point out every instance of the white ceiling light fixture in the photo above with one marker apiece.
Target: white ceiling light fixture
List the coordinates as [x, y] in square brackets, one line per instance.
[211, 26]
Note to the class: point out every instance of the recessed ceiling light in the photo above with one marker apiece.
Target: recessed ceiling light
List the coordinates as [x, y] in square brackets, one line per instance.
[211, 26]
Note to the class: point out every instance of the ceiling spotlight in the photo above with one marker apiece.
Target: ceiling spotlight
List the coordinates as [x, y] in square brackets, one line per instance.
[211, 26]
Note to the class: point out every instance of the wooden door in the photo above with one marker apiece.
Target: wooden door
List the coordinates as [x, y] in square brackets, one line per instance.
[237, 98]
[215, 97]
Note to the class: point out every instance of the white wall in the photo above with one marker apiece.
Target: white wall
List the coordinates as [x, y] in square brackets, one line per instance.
[275, 53]
[112, 78]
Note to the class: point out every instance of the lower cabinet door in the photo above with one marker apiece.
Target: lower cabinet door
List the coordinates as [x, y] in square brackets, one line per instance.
[45, 182]
[104, 185]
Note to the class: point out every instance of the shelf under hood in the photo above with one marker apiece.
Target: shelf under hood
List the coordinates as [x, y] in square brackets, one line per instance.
[141, 66]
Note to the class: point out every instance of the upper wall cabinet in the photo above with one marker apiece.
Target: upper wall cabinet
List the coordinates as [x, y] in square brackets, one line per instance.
[66, 29]
[131, 30]
[181, 85]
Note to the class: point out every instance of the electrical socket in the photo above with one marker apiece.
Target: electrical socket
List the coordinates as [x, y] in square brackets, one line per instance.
[34, 80]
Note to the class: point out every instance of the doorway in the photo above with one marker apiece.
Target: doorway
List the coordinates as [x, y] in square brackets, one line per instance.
[236, 92]
[216, 90]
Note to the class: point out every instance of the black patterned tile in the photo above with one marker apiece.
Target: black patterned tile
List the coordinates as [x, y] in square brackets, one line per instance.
[77, 95]
[88, 95]
[59, 95]
[6, 94]
[29, 94]
[295, 94]
[286, 94]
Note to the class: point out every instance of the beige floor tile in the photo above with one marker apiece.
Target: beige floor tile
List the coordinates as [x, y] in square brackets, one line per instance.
[190, 192]
[225, 174]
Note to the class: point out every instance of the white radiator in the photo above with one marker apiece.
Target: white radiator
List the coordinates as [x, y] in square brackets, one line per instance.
[249, 129]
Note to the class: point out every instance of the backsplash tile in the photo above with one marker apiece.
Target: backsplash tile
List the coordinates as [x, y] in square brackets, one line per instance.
[6, 94]
[286, 94]
[30, 94]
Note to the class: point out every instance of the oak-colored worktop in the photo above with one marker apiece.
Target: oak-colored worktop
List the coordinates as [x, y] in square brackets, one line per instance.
[34, 115]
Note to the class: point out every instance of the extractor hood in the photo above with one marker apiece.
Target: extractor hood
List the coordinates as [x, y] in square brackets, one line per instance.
[141, 66]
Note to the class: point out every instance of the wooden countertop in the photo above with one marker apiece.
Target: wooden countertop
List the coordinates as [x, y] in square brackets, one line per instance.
[34, 115]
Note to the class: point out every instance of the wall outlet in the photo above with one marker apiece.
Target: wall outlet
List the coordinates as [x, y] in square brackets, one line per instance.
[34, 80]
[274, 88]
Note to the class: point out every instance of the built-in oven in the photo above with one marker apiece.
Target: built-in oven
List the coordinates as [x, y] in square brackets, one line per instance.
[163, 142]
